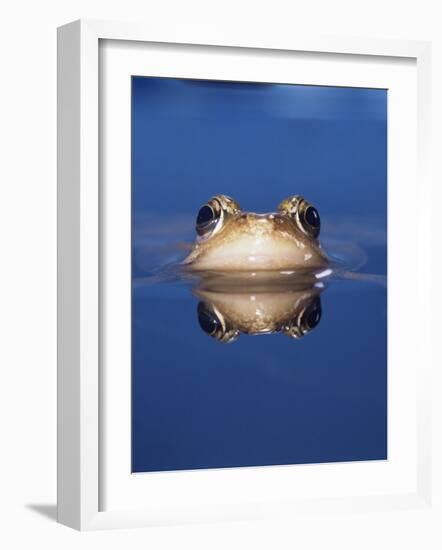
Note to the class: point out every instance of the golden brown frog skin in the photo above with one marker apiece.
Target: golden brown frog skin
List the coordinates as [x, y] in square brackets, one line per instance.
[229, 239]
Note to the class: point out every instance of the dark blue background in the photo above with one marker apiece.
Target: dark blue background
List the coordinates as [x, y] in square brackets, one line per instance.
[261, 400]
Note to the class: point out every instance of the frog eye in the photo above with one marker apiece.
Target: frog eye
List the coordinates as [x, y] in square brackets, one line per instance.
[311, 316]
[212, 215]
[306, 321]
[311, 217]
[303, 213]
[214, 324]
[206, 220]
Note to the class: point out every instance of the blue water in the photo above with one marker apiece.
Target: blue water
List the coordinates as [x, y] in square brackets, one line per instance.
[267, 399]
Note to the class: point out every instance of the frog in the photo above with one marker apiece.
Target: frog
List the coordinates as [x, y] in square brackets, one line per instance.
[229, 239]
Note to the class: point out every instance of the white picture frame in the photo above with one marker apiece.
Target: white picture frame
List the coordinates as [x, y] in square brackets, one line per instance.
[81, 437]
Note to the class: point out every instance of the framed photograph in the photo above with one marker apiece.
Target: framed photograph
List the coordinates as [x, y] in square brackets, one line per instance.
[241, 328]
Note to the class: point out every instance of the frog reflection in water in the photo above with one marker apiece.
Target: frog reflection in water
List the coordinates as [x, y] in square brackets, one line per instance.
[230, 240]
[257, 270]
[226, 313]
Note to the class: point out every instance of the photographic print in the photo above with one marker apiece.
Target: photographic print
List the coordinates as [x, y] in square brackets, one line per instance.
[259, 274]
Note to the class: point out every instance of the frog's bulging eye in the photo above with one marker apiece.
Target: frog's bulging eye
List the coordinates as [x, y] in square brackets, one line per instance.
[303, 213]
[312, 316]
[312, 217]
[208, 320]
[213, 324]
[206, 220]
[306, 321]
[212, 216]
[205, 215]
